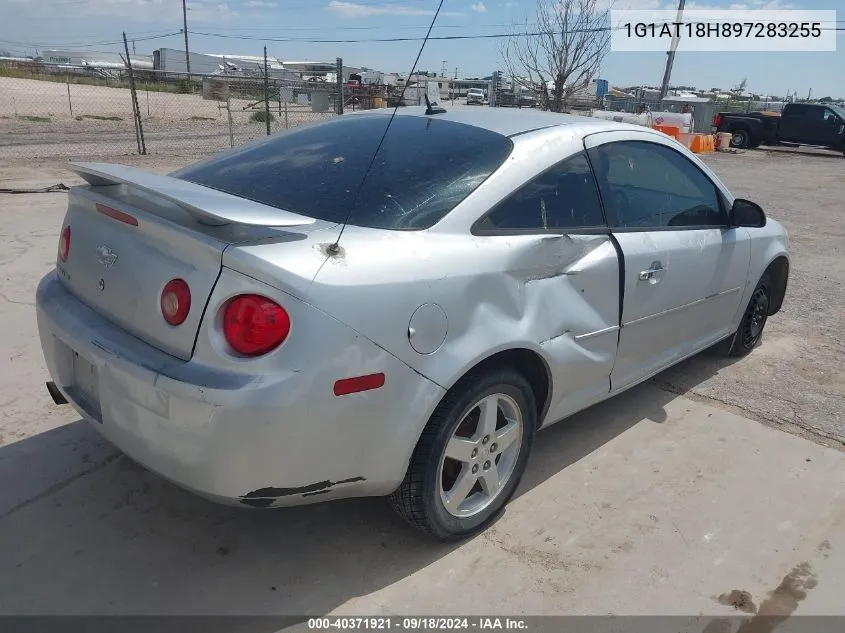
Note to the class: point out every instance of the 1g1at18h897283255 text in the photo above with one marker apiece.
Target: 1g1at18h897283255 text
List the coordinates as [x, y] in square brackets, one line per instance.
[723, 31]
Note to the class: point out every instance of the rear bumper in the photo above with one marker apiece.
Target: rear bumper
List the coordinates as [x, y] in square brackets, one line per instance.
[278, 437]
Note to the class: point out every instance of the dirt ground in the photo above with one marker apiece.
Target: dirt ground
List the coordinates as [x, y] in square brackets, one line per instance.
[665, 500]
[44, 118]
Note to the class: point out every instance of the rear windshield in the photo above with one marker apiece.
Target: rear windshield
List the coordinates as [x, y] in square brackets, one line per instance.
[424, 168]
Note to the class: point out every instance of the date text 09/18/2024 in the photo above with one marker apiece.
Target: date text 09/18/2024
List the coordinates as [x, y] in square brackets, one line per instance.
[422, 623]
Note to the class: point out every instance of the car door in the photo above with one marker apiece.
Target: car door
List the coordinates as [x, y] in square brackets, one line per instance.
[684, 268]
[828, 130]
[571, 279]
[793, 123]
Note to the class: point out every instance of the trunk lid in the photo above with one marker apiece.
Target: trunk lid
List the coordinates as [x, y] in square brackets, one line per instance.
[132, 232]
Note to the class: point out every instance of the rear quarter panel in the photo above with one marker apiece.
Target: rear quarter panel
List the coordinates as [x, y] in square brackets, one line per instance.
[482, 294]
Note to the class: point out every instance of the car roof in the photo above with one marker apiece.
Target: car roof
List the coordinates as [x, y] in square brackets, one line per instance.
[512, 121]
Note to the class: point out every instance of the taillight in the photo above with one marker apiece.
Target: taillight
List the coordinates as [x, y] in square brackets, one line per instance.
[175, 301]
[254, 325]
[64, 244]
[717, 120]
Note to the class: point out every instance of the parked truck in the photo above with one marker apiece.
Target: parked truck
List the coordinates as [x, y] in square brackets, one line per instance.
[817, 125]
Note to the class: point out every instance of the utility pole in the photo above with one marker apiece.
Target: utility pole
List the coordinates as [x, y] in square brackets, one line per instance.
[670, 58]
[185, 22]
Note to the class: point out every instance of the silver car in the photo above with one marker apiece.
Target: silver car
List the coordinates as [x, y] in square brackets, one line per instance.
[336, 312]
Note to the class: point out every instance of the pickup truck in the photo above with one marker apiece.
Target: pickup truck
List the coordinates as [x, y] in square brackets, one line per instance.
[813, 124]
[475, 95]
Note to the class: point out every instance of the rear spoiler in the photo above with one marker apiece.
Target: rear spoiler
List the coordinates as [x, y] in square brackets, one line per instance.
[205, 205]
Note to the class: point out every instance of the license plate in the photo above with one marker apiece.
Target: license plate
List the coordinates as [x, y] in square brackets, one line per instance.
[85, 389]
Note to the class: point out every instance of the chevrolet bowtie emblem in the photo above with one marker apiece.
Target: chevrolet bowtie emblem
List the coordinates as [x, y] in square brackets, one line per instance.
[106, 256]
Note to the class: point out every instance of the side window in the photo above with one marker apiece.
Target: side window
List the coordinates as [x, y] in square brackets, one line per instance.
[563, 197]
[648, 186]
[798, 110]
[830, 117]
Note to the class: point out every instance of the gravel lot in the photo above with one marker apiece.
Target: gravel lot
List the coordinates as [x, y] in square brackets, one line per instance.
[657, 502]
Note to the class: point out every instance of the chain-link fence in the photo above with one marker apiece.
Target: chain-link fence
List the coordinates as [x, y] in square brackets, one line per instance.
[58, 110]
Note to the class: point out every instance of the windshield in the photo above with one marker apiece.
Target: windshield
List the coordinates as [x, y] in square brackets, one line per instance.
[425, 167]
[839, 110]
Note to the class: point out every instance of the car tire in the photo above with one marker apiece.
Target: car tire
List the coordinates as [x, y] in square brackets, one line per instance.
[750, 330]
[740, 139]
[429, 497]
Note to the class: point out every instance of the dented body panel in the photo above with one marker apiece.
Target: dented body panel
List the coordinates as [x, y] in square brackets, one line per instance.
[424, 307]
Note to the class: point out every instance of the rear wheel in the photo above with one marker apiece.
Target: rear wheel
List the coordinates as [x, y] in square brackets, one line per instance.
[750, 330]
[471, 455]
[740, 139]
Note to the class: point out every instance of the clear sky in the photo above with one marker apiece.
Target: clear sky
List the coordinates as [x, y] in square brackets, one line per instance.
[69, 24]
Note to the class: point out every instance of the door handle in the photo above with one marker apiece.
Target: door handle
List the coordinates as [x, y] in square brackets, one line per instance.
[649, 274]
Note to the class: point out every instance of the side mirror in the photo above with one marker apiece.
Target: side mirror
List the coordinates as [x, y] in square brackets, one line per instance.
[747, 213]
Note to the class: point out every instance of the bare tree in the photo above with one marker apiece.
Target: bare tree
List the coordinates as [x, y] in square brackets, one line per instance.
[565, 47]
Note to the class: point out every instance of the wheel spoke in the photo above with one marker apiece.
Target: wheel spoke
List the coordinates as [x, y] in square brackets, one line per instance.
[507, 435]
[460, 449]
[454, 497]
[490, 480]
[489, 409]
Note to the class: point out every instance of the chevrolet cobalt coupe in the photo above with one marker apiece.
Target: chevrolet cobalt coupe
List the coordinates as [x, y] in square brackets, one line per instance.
[335, 311]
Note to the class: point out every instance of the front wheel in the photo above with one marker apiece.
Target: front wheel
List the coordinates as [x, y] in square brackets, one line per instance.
[750, 330]
[471, 455]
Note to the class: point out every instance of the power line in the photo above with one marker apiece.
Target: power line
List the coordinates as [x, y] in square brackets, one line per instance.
[480, 36]
[392, 39]
[392, 27]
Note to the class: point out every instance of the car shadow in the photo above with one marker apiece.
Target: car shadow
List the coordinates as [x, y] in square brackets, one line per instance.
[102, 535]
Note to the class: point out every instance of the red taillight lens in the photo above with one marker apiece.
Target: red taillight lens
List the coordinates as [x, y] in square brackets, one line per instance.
[717, 120]
[254, 325]
[64, 244]
[175, 301]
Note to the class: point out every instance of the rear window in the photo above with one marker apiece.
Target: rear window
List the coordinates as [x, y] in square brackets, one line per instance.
[425, 167]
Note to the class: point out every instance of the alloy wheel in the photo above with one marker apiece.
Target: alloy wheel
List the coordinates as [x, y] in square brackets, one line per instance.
[481, 455]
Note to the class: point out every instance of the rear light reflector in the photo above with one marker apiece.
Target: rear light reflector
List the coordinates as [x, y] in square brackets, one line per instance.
[64, 244]
[175, 301]
[358, 383]
[254, 325]
[120, 216]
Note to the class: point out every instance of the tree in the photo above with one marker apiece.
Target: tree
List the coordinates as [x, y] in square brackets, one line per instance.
[826, 100]
[561, 51]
